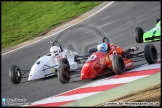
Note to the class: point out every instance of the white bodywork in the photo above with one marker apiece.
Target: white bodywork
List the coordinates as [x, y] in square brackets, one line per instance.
[47, 65]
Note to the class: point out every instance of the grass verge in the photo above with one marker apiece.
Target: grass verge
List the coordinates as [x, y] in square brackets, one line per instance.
[23, 20]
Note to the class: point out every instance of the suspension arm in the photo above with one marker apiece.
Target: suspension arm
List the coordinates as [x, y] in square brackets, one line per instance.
[139, 53]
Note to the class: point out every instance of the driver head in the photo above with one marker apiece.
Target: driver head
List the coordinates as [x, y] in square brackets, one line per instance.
[54, 50]
[102, 47]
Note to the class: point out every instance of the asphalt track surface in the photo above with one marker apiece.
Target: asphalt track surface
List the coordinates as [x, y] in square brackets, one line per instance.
[118, 22]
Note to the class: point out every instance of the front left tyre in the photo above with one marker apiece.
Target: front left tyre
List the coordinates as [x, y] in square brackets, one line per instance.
[15, 74]
[138, 34]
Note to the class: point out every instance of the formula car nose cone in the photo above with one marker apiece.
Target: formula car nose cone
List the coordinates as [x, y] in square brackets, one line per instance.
[84, 72]
[30, 77]
[36, 73]
[87, 72]
[35, 76]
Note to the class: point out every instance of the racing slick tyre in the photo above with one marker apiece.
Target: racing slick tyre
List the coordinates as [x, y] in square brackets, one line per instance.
[63, 73]
[138, 34]
[157, 20]
[118, 64]
[15, 74]
[92, 50]
[150, 53]
[64, 61]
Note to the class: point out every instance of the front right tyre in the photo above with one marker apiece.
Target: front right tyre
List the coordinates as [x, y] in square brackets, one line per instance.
[63, 73]
[150, 53]
[118, 65]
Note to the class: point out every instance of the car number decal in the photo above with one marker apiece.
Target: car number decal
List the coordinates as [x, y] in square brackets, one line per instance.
[92, 57]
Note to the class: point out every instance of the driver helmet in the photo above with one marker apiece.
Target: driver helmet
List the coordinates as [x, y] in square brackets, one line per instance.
[102, 47]
[54, 50]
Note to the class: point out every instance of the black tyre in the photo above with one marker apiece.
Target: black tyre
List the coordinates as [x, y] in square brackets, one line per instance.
[118, 64]
[157, 20]
[15, 74]
[150, 53]
[63, 73]
[95, 78]
[64, 61]
[92, 50]
[138, 34]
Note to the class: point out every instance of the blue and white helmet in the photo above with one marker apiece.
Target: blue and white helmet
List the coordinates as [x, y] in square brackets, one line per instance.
[102, 47]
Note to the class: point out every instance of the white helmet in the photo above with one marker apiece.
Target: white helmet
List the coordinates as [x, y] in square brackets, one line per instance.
[54, 50]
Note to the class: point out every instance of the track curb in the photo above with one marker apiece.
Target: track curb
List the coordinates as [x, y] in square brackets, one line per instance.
[114, 93]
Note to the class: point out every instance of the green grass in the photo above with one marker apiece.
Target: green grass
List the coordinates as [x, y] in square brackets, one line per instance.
[22, 21]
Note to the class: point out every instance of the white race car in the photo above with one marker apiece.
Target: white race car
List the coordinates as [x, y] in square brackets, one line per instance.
[47, 65]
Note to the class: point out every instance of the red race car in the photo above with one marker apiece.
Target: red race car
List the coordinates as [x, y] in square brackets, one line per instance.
[114, 58]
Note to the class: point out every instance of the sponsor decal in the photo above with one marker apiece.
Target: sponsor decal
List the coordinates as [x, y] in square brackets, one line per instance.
[52, 70]
[129, 64]
[107, 59]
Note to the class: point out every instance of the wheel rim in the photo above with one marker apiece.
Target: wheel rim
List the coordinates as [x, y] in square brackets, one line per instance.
[17, 74]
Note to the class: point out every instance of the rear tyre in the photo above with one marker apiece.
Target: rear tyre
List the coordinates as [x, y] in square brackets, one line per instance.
[138, 34]
[157, 20]
[118, 65]
[150, 53]
[15, 74]
[95, 78]
[92, 50]
[64, 73]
